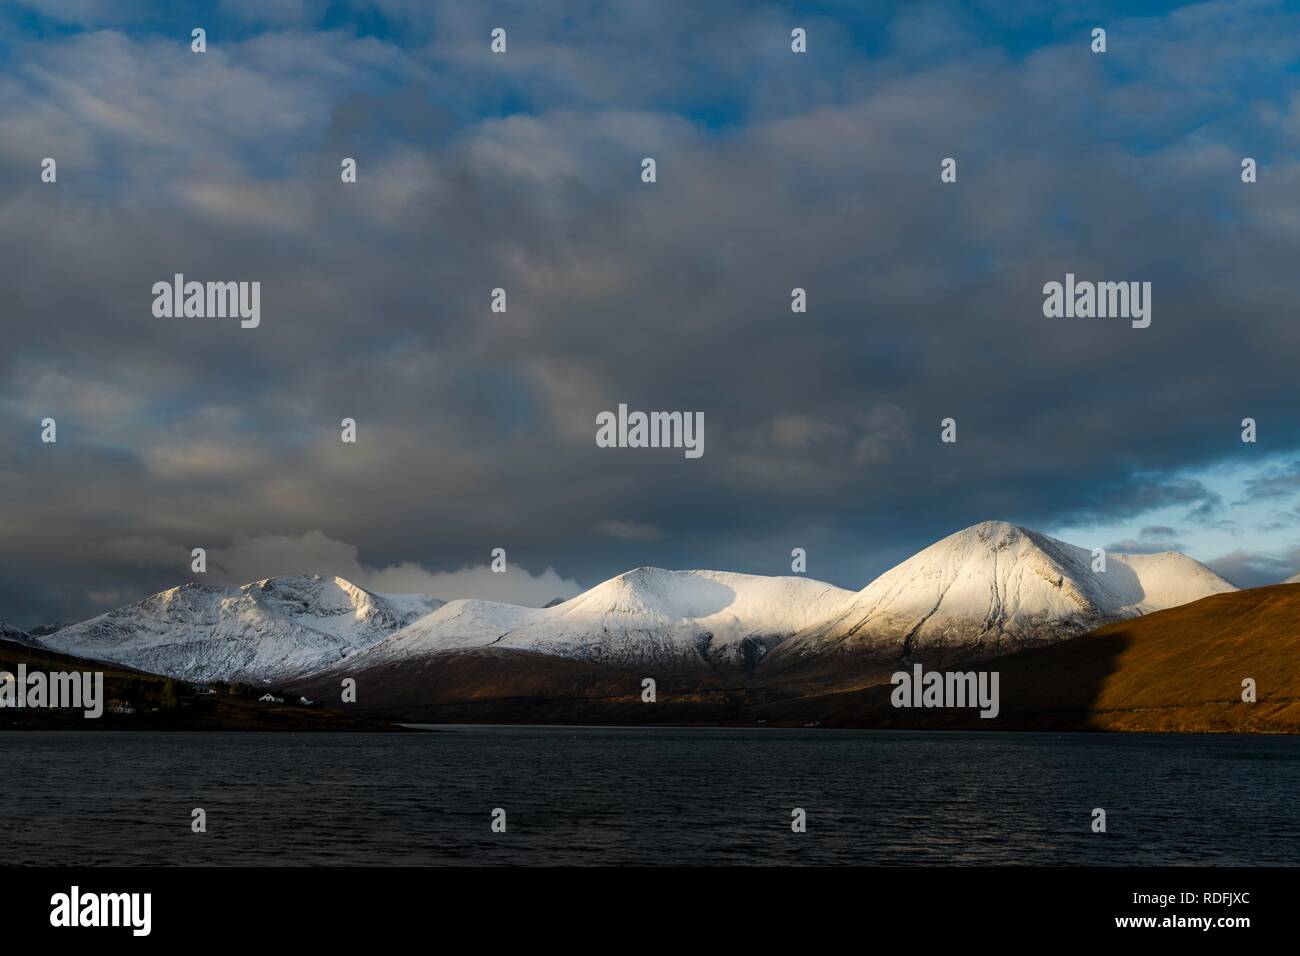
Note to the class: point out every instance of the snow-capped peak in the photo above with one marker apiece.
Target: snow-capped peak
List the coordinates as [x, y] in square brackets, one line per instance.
[996, 587]
[645, 615]
[269, 629]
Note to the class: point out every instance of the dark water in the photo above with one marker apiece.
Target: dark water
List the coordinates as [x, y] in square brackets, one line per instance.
[648, 796]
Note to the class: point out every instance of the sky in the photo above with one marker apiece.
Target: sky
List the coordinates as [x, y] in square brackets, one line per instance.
[522, 171]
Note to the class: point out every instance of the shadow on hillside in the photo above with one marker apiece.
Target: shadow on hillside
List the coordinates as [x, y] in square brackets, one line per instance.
[1048, 688]
[1177, 670]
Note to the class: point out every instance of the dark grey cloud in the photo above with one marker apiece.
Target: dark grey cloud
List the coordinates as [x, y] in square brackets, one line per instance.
[1151, 539]
[476, 429]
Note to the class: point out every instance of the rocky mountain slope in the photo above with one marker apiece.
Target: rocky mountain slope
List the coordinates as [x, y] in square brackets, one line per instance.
[264, 631]
[11, 633]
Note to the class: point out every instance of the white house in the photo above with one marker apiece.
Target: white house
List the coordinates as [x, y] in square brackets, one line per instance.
[267, 698]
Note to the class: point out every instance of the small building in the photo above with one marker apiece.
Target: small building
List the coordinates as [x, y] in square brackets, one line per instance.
[121, 707]
[203, 690]
[306, 701]
[268, 699]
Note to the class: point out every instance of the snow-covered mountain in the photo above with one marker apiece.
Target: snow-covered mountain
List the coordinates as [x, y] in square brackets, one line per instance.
[1293, 579]
[272, 629]
[648, 616]
[10, 633]
[987, 590]
[40, 630]
[994, 588]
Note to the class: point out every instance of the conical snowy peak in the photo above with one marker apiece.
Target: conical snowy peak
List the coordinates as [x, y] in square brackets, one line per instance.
[996, 587]
[648, 615]
[647, 596]
[270, 629]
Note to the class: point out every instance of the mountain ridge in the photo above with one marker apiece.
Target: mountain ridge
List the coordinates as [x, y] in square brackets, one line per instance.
[17, 635]
[988, 589]
[985, 590]
[1178, 670]
[646, 616]
[265, 630]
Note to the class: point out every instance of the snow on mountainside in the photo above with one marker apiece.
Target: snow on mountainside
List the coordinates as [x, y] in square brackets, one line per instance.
[268, 630]
[1293, 579]
[987, 590]
[996, 587]
[10, 633]
[646, 616]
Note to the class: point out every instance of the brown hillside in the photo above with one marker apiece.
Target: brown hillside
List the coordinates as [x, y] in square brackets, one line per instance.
[1175, 670]
[490, 685]
[1178, 670]
[1182, 669]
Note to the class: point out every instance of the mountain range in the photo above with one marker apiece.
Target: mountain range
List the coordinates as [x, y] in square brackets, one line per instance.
[649, 617]
[990, 589]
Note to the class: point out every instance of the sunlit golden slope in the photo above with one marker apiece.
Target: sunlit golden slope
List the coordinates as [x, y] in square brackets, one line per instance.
[1182, 669]
[1179, 670]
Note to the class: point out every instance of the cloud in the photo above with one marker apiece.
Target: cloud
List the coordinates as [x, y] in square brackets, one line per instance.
[775, 171]
[629, 530]
[1277, 481]
[274, 12]
[253, 557]
[515, 585]
[1152, 539]
[105, 599]
[1251, 569]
